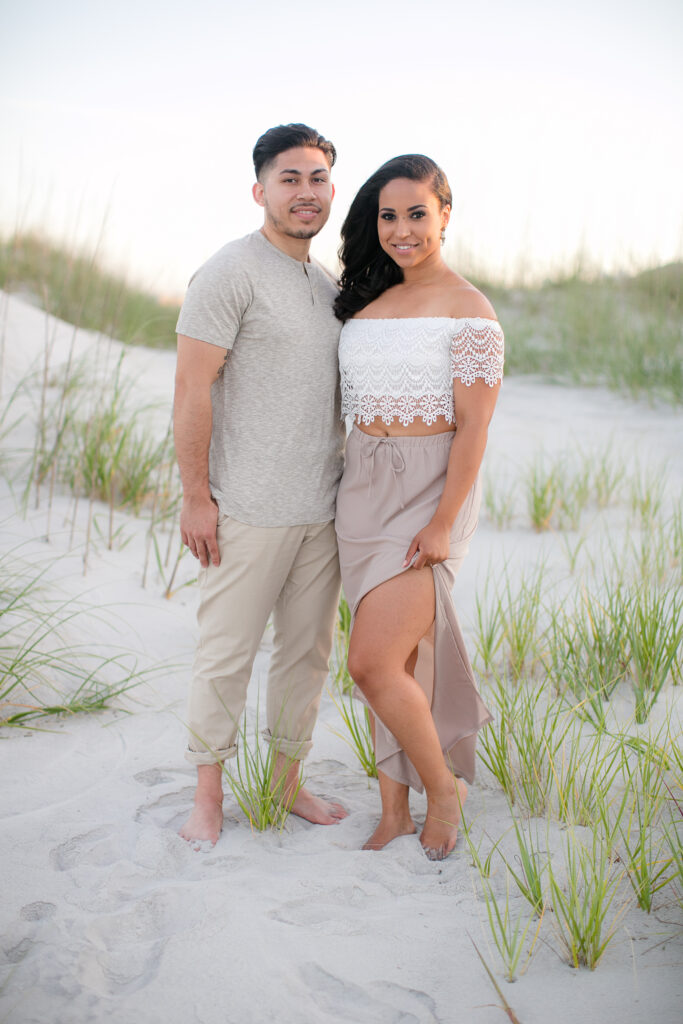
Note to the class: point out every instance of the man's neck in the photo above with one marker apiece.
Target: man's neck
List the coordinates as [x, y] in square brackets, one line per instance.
[297, 248]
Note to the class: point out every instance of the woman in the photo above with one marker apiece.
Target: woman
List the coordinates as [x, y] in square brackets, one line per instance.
[421, 357]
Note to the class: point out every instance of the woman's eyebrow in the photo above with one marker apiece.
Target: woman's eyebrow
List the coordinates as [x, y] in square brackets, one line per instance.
[390, 209]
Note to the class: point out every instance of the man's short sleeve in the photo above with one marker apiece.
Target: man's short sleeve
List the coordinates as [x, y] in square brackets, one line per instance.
[218, 296]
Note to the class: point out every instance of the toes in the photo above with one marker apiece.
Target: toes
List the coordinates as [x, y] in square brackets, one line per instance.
[433, 853]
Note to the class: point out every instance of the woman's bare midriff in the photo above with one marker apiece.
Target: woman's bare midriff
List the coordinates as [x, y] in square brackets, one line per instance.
[418, 428]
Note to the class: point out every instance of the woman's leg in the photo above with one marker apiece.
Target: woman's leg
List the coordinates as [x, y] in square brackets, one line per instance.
[396, 820]
[389, 624]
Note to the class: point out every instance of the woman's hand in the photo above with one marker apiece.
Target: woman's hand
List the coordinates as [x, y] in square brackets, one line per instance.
[430, 546]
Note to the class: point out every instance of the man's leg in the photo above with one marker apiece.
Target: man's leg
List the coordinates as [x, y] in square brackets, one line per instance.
[236, 598]
[303, 618]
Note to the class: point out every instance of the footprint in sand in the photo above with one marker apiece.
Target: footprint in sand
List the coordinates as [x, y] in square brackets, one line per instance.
[168, 811]
[393, 1004]
[14, 946]
[19, 938]
[92, 848]
[152, 777]
[333, 919]
[37, 911]
[122, 950]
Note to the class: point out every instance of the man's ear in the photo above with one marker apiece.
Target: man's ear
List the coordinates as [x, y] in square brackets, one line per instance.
[333, 191]
[258, 193]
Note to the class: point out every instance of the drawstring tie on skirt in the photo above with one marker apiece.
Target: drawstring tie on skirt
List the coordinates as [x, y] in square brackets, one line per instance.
[369, 450]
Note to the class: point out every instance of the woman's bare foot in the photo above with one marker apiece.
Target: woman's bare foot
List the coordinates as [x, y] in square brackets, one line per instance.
[206, 821]
[388, 829]
[315, 809]
[440, 830]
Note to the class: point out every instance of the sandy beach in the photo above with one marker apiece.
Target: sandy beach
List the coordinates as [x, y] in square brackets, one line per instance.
[108, 916]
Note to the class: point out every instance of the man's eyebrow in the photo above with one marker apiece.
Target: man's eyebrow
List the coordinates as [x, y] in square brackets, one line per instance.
[292, 170]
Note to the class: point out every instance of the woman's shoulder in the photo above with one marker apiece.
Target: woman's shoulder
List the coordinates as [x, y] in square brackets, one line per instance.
[465, 302]
[454, 299]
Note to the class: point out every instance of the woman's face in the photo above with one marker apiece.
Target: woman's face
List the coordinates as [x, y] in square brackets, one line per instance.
[410, 221]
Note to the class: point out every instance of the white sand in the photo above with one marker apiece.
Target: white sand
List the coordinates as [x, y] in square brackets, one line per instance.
[107, 915]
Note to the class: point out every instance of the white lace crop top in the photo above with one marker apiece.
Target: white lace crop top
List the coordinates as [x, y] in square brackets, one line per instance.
[404, 368]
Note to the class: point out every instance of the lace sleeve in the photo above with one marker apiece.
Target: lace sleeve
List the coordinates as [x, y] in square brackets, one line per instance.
[477, 350]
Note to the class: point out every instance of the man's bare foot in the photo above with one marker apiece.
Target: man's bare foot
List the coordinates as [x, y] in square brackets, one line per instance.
[388, 829]
[206, 821]
[440, 830]
[315, 809]
[299, 800]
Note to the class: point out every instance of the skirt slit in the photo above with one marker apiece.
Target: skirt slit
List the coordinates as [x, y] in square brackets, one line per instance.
[389, 491]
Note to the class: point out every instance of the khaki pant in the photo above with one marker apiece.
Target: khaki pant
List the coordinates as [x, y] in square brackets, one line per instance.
[293, 572]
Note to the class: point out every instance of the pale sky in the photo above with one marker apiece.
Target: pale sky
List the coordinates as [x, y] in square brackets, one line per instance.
[557, 125]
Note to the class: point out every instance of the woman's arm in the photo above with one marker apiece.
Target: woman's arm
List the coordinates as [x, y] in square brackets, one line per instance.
[474, 406]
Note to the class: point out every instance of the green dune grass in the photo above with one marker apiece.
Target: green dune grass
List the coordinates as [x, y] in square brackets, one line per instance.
[74, 287]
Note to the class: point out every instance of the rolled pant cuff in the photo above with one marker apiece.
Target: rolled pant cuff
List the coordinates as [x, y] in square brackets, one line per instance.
[209, 756]
[297, 750]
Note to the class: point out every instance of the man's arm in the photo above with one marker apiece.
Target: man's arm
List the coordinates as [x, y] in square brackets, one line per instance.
[198, 366]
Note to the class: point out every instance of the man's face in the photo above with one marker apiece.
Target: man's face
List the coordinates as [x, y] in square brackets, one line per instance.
[296, 192]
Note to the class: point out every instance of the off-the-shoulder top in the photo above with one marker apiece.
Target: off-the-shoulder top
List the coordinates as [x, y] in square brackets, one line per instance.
[403, 368]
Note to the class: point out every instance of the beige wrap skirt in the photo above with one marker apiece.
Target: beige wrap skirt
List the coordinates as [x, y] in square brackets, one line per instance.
[389, 491]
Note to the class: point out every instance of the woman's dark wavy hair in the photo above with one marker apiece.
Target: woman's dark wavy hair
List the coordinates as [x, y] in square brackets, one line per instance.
[367, 269]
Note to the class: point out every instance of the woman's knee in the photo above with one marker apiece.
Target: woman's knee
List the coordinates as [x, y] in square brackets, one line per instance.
[366, 667]
[358, 662]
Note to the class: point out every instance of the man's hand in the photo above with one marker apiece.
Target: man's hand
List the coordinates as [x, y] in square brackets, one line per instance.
[198, 521]
[198, 367]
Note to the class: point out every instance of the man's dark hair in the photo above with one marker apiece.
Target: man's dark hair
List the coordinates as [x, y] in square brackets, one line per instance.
[289, 136]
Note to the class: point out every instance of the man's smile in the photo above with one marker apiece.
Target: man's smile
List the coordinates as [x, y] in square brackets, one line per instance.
[306, 212]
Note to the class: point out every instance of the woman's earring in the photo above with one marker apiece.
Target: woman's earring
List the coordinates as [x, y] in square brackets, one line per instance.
[443, 235]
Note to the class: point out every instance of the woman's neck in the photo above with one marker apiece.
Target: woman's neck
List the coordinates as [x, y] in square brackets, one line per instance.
[430, 271]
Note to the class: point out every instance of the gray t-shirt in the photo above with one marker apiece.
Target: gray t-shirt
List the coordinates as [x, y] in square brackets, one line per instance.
[277, 440]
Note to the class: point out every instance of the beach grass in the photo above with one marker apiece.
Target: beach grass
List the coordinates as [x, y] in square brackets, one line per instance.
[257, 781]
[75, 287]
[556, 651]
[509, 927]
[582, 899]
[529, 868]
[45, 669]
[357, 732]
[508, 923]
[93, 439]
[623, 332]
[619, 621]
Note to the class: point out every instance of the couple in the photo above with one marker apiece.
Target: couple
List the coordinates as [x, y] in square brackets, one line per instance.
[260, 443]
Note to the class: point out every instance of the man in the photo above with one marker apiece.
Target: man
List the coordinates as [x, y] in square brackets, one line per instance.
[259, 441]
